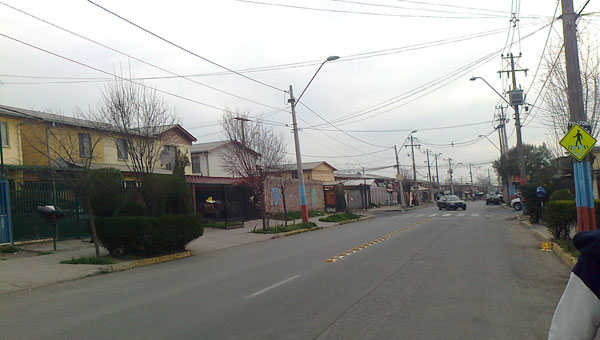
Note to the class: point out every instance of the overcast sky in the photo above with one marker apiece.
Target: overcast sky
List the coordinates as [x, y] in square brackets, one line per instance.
[404, 65]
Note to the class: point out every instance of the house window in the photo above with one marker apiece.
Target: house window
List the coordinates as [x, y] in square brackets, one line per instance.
[85, 145]
[4, 132]
[167, 157]
[122, 149]
[196, 164]
[295, 174]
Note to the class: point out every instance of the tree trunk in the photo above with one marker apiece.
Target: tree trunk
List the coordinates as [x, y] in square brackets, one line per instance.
[90, 213]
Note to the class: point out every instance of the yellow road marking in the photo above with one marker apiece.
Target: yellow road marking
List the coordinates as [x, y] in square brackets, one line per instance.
[368, 244]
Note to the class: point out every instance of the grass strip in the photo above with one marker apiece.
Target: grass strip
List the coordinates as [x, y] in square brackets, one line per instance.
[340, 217]
[89, 260]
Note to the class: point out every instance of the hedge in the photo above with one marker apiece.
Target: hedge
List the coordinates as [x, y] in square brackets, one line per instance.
[559, 216]
[145, 235]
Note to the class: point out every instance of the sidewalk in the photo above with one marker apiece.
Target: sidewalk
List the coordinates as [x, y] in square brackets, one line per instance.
[36, 271]
[542, 233]
[39, 268]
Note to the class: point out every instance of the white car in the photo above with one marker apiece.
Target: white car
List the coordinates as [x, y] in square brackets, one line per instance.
[516, 204]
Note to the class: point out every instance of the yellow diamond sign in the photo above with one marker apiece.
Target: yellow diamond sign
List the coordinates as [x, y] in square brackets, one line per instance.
[578, 142]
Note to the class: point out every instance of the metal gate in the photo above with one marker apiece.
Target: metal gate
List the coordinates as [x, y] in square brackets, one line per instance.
[5, 221]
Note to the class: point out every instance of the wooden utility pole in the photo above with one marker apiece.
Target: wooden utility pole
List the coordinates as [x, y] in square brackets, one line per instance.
[400, 188]
[586, 216]
[516, 99]
[415, 190]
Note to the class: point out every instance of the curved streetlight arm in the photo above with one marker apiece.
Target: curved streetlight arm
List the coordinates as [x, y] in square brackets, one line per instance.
[486, 137]
[488, 84]
[313, 77]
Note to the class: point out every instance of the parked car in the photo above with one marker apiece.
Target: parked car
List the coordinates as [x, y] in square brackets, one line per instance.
[516, 204]
[451, 202]
[492, 199]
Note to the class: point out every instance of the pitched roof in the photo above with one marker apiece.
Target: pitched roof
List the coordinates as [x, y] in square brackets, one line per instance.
[305, 166]
[61, 119]
[205, 147]
[208, 147]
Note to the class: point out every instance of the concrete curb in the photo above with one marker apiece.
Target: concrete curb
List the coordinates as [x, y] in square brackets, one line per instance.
[364, 218]
[300, 231]
[567, 258]
[144, 262]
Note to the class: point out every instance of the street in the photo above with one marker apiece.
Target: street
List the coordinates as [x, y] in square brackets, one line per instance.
[422, 274]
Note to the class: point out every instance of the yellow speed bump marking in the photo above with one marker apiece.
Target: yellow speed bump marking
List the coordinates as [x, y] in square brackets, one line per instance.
[368, 244]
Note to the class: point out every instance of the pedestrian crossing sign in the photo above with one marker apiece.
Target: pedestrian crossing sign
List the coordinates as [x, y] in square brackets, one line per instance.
[578, 142]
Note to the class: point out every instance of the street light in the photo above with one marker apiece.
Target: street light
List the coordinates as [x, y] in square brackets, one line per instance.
[488, 84]
[486, 137]
[294, 102]
[520, 158]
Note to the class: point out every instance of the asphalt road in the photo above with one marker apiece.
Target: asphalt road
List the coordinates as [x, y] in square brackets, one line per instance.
[424, 274]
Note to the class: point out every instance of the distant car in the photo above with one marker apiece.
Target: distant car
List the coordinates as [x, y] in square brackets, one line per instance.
[492, 199]
[451, 202]
[516, 204]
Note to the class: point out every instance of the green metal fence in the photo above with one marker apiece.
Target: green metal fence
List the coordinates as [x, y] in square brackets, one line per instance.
[27, 224]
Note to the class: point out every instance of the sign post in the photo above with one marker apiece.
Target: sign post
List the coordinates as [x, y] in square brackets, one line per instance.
[579, 142]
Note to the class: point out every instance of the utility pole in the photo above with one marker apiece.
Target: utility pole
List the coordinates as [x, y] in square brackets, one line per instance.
[516, 98]
[301, 189]
[412, 148]
[242, 121]
[489, 182]
[450, 172]
[472, 184]
[437, 176]
[430, 180]
[366, 203]
[586, 216]
[400, 188]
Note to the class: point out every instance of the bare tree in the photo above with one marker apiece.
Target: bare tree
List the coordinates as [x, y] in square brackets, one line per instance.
[139, 118]
[69, 144]
[557, 113]
[256, 152]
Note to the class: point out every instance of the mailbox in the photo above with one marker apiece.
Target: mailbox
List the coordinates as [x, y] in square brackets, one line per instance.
[52, 215]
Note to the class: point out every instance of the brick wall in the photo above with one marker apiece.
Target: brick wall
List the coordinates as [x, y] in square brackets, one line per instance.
[315, 199]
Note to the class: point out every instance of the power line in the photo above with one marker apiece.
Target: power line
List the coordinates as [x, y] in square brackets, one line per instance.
[345, 58]
[439, 82]
[402, 7]
[344, 132]
[487, 16]
[111, 74]
[182, 48]
[133, 57]
[406, 130]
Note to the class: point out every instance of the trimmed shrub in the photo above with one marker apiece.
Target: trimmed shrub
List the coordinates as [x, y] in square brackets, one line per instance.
[166, 194]
[560, 215]
[106, 194]
[562, 195]
[132, 208]
[145, 235]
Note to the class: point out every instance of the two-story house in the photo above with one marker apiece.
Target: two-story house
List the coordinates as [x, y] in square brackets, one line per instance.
[41, 139]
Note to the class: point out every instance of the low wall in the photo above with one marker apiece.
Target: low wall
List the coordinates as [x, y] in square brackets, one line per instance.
[315, 198]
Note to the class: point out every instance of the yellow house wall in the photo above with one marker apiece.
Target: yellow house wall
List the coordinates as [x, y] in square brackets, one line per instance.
[12, 153]
[322, 173]
[64, 143]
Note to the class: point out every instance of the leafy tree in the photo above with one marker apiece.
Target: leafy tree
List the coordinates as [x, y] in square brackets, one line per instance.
[539, 164]
[181, 162]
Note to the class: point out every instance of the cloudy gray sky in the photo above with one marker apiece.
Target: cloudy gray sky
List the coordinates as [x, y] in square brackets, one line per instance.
[404, 65]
